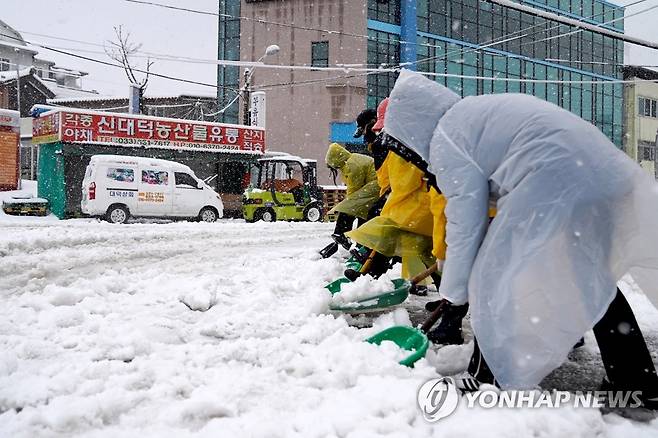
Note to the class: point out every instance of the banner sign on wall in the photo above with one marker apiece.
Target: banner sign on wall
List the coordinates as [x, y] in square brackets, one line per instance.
[80, 126]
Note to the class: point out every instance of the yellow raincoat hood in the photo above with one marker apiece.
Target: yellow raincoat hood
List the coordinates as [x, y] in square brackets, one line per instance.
[337, 156]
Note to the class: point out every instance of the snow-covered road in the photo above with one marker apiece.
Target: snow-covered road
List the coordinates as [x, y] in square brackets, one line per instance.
[98, 337]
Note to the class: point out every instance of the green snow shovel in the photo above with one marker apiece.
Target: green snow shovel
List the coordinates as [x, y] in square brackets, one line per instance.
[352, 263]
[384, 300]
[377, 302]
[411, 338]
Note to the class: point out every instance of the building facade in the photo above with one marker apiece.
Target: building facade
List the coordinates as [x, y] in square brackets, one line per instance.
[641, 117]
[17, 54]
[471, 46]
[37, 80]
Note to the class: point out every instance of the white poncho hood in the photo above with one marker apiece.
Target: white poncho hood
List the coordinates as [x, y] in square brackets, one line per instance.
[416, 104]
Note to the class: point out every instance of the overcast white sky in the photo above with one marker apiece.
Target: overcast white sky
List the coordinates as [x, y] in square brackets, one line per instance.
[176, 33]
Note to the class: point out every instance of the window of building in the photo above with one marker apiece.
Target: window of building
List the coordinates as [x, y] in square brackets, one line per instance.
[5, 64]
[598, 11]
[384, 48]
[646, 151]
[228, 77]
[320, 54]
[646, 107]
[387, 11]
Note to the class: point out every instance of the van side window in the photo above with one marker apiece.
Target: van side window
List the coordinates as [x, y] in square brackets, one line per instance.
[121, 174]
[184, 179]
[155, 177]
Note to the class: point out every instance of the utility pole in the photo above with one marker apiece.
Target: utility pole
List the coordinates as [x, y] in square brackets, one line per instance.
[18, 104]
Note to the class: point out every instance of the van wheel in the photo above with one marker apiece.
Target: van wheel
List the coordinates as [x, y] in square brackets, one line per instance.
[312, 213]
[208, 214]
[117, 214]
[267, 215]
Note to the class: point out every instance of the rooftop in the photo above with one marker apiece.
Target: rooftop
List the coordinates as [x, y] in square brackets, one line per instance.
[632, 71]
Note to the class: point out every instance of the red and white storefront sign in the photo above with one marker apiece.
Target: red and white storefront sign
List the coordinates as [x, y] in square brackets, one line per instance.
[80, 126]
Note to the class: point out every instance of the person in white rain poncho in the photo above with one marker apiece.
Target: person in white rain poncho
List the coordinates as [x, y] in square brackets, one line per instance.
[574, 215]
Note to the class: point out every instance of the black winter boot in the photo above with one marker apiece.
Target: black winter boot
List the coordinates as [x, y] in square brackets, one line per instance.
[449, 330]
[351, 274]
[342, 240]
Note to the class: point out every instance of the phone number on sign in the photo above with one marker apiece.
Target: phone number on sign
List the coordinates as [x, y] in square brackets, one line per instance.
[167, 143]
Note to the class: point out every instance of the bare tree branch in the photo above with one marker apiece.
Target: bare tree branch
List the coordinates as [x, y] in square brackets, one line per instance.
[121, 50]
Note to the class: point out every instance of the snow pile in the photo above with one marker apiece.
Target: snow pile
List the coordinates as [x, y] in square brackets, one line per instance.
[95, 342]
[363, 288]
[200, 300]
[27, 193]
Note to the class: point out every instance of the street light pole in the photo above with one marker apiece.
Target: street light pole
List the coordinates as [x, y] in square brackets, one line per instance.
[246, 117]
[246, 88]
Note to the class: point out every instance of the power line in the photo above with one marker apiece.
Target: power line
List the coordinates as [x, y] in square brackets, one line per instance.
[175, 58]
[492, 43]
[347, 70]
[308, 28]
[581, 30]
[574, 23]
[98, 61]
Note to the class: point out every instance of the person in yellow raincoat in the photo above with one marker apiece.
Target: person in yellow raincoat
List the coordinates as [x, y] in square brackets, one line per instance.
[411, 225]
[358, 173]
[405, 226]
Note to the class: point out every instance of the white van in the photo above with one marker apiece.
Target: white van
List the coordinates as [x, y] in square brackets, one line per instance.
[116, 187]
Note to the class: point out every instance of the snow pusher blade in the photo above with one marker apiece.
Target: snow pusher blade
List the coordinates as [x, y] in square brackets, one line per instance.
[374, 303]
[411, 338]
[407, 338]
[355, 264]
[334, 286]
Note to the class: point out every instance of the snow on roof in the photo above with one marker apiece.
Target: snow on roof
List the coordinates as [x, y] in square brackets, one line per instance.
[87, 98]
[22, 47]
[127, 159]
[109, 98]
[45, 61]
[69, 71]
[57, 89]
[64, 92]
[287, 157]
[10, 75]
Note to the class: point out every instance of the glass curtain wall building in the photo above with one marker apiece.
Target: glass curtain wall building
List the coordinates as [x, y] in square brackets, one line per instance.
[228, 47]
[449, 34]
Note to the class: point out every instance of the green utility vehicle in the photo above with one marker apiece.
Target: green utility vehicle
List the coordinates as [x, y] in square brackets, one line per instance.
[283, 187]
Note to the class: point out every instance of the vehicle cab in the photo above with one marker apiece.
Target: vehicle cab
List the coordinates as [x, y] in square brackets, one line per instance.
[283, 187]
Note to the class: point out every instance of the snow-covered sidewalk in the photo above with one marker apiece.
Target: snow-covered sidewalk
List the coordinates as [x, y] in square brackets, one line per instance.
[219, 330]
